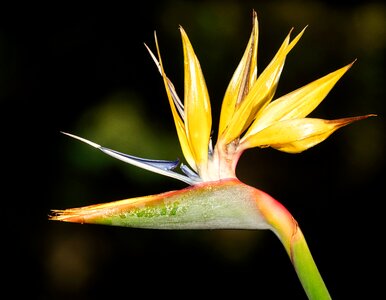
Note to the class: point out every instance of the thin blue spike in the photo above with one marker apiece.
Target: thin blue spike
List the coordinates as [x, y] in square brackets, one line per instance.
[166, 165]
[189, 172]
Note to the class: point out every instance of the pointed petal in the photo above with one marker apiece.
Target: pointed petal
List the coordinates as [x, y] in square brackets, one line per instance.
[173, 93]
[297, 104]
[297, 135]
[162, 167]
[242, 80]
[180, 126]
[198, 118]
[261, 93]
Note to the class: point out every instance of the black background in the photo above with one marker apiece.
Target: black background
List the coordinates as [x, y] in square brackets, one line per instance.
[85, 70]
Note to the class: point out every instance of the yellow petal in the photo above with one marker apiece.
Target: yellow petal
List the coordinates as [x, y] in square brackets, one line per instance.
[242, 80]
[261, 93]
[180, 126]
[297, 104]
[198, 119]
[297, 135]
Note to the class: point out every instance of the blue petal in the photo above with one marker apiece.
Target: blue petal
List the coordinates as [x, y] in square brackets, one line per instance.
[166, 165]
[163, 167]
[188, 172]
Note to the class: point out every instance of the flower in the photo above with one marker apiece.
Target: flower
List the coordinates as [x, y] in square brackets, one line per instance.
[250, 117]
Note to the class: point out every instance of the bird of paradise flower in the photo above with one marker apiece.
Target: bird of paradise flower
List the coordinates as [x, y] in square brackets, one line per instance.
[216, 199]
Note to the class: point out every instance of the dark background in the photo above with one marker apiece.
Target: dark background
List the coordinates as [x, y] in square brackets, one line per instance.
[86, 71]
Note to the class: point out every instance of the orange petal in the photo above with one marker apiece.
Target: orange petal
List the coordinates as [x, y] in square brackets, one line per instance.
[297, 104]
[261, 93]
[242, 80]
[198, 118]
[297, 135]
[180, 126]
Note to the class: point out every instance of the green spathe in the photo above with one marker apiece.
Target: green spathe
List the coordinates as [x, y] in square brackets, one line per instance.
[226, 204]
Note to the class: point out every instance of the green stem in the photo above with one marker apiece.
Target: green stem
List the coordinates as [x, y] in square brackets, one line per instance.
[306, 269]
[289, 233]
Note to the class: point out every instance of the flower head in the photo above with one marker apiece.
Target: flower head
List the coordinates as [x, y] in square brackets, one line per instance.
[250, 117]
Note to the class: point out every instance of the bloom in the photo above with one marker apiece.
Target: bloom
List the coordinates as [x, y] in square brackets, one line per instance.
[250, 117]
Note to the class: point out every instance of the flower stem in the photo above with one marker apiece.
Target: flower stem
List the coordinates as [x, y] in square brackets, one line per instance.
[287, 229]
[306, 269]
